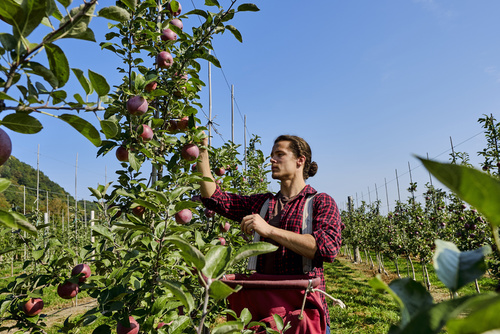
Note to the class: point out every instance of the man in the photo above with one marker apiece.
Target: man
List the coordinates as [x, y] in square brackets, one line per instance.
[290, 164]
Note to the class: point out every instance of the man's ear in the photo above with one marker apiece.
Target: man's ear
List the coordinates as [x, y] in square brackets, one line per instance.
[301, 161]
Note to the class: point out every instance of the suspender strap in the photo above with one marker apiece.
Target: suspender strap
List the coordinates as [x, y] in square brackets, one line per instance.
[307, 228]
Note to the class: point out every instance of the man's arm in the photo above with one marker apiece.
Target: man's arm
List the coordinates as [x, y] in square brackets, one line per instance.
[207, 188]
[302, 244]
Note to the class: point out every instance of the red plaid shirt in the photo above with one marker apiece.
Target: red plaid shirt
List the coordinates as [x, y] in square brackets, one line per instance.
[327, 227]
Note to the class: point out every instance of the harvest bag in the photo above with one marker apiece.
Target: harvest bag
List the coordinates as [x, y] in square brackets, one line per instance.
[285, 295]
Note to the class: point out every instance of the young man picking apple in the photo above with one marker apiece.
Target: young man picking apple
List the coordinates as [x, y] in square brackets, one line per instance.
[290, 164]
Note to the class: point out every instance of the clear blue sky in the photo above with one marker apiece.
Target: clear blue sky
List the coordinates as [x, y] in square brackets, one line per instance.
[367, 83]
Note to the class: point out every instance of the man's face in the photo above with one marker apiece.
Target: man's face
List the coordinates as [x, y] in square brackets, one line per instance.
[283, 162]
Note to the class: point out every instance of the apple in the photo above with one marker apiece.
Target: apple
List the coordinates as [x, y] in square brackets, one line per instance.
[138, 211]
[222, 241]
[164, 59]
[151, 86]
[147, 132]
[168, 35]
[220, 171]
[184, 216]
[190, 152]
[33, 306]
[178, 12]
[172, 126]
[183, 123]
[67, 290]
[81, 268]
[137, 105]
[5, 147]
[133, 329]
[178, 23]
[225, 227]
[193, 168]
[209, 213]
[122, 154]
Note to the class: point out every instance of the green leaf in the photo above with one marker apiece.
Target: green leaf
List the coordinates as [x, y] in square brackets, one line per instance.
[279, 322]
[109, 128]
[160, 196]
[11, 12]
[212, 3]
[83, 81]
[78, 27]
[189, 252]
[479, 189]
[58, 63]
[84, 127]
[216, 261]
[235, 32]
[482, 316]
[115, 13]
[198, 12]
[44, 72]
[102, 329]
[104, 231]
[4, 184]
[210, 58]
[253, 249]
[4, 96]
[8, 41]
[248, 7]
[22, 123]
[99, 83]
[32, 14]
[16, 221]
[184, 297]
[159, 304]
[456, 269]
[151, 206]
[219, 290]
[177, 192]
[130, 3]
[228, 327]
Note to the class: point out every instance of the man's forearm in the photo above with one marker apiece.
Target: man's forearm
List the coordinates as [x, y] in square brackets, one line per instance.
[302, 244]
[207, 188]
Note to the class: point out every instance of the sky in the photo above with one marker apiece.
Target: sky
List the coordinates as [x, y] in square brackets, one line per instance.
[369, 84]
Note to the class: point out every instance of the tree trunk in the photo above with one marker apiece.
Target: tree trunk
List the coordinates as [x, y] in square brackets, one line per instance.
[412, 268]
[397, 266]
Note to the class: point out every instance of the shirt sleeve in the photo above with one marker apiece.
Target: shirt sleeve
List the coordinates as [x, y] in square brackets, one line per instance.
[327, 227]
[234, 206]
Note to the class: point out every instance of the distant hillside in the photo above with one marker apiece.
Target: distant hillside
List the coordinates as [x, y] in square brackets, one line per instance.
[23, 189]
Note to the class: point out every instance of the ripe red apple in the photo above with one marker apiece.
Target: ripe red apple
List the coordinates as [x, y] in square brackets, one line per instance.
[67, 290]
[138, 211]
[5, 147]
[81, 268]
[33, 306]
[194, 168]
[183, 123]
[190, 152]
[137, 105]
[184, 216]
[209, 213]
[178, 23]
[222, 241]
[178, 12]
[168, 35]
[172, 126]
[147, 132]
[220, 171]
[133, 329]
[122, 154]
[151, 86]
[164, 59]
[225, 227]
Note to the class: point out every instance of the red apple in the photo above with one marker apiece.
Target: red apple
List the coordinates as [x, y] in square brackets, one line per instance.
[225, 227]
[209, 213]
[183, 123]
[172, 126]
[81, 268]
[220, 171]
[194, 168]
[151, 86]
[190, 152]
[184, 216]
[137, 105]
[67, 290]
[146, 133]
[33, 306]
[168, 35]
[176, 13]
[222, 241]
[178, 23]
[122, 154]
[133, 329]
[164, 59]
[5, 147]
[138, 211]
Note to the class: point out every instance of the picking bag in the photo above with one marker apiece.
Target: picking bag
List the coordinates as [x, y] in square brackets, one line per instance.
[285, 295]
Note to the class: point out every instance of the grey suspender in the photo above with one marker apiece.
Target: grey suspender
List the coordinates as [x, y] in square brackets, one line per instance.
[307, 228]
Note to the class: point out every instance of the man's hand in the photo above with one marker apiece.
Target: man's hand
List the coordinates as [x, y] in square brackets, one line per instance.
[254, 222]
